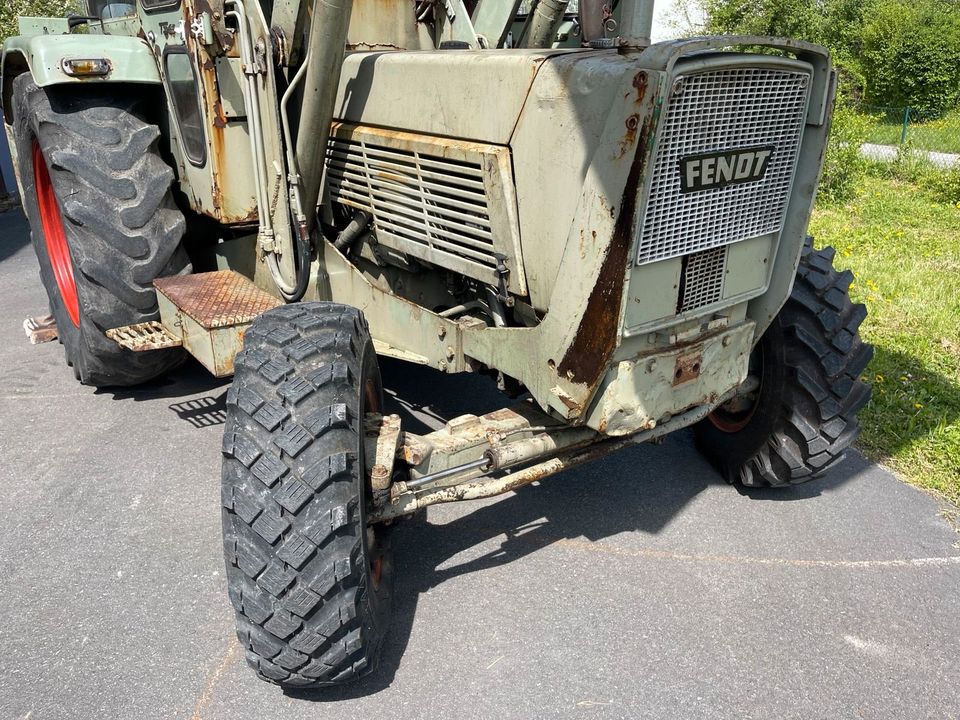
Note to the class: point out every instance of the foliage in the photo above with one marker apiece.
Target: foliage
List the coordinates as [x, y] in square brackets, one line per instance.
[911, 55]
[844, 166]
[895, 52]
[915, 168]
[10, 10]
[903, 246]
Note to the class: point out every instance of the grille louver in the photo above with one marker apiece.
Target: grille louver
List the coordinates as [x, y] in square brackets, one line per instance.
[702, 281]
[441, 201]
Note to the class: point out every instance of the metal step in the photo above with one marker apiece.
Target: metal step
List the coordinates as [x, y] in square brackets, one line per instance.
[215, 300]
[205, 313]
[210, 312]
[143, 336]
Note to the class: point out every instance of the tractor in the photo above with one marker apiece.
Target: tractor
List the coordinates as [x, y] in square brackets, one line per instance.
[613, 230]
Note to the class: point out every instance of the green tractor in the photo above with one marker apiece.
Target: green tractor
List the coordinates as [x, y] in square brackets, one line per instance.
[615, 230]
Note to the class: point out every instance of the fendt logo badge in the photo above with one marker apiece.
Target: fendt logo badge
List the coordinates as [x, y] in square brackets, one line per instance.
[719, 169]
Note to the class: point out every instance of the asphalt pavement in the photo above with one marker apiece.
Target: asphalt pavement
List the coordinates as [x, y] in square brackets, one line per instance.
[640, 586]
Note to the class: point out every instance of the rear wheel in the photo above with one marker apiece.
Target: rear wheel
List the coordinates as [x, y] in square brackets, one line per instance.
[309, 580]
[801, 416]
[104, 226]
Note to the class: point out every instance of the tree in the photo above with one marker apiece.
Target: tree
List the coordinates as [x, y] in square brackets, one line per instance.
[10, 10]
[911, 55]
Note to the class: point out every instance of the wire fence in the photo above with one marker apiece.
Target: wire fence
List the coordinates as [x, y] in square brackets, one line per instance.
[891, 127]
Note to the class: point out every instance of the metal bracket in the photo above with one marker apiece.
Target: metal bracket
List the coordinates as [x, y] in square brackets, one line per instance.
[202, 29]
[382, 439]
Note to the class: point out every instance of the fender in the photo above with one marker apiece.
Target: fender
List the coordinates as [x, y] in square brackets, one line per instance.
[131, 60]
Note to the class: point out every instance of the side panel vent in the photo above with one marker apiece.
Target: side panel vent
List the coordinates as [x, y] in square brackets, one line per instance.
[447, 202]
[702, 280]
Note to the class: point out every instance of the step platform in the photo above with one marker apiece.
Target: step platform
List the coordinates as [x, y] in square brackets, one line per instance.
[205, 313]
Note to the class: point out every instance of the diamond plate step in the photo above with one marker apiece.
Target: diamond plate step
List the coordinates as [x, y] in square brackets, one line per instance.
[216, 299]
[209, 313]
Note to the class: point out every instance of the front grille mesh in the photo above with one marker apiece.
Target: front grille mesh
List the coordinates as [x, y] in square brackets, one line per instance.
[703, 276]
[720, 111]
[429, 205]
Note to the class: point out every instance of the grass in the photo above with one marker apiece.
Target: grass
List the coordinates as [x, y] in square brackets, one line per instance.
[903, 246]
[941, 135]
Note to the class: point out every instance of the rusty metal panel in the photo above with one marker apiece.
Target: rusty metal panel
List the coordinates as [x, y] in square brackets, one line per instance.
[475, 95]
[573, 91]
[216, 299]
[639, 394]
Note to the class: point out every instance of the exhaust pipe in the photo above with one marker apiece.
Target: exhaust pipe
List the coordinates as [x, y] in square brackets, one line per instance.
[636, 23]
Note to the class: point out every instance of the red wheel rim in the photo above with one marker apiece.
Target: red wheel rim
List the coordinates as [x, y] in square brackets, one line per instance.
[728, 424]
[54, 236]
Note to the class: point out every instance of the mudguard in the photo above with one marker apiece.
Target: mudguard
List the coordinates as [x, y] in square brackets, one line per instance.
[131, 60]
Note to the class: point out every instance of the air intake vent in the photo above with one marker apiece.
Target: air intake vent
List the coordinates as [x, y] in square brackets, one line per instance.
[731, 114]
[446, 202]
[702, 281]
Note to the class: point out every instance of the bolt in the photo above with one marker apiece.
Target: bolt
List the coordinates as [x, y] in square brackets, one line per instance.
[442, 365]
[727, 340]
[450, 354]
[442, 332]
[651, 366]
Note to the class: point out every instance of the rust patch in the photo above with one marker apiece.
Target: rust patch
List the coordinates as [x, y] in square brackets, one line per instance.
[640, 82]
[219, 116]
[216, 299]
[372, 46]
[596, 337]
[630, 137]
[687, 368]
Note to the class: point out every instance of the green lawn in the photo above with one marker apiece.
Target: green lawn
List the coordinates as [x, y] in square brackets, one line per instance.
[941, 135]
[904, 248]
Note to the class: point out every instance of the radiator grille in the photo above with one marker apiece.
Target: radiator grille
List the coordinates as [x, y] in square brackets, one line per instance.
[431, 206]
[719, 111]
[703, 275]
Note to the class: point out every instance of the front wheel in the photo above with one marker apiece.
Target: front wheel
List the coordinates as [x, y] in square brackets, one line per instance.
[309, 580]
[799, 420]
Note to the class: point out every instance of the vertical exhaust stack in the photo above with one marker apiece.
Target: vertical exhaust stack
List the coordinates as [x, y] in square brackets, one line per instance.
[636, 23]
[327, 40]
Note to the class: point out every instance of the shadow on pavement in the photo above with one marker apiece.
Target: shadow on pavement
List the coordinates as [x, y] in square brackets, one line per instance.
[14, 233]
[596, 501]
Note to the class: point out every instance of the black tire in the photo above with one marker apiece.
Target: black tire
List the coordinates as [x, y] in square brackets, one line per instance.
[120, 224]
[803, 417]
[310, 583]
